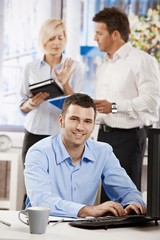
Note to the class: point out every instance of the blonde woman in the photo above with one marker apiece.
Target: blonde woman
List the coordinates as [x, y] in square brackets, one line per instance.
[41, 116]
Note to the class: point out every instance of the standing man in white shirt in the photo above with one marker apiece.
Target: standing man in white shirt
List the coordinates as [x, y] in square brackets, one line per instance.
[127, 91]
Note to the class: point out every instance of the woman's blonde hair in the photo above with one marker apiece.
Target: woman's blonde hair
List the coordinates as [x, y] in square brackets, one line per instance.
[48, 29]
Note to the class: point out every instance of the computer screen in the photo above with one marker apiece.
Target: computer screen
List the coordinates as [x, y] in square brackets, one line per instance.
[153, 173]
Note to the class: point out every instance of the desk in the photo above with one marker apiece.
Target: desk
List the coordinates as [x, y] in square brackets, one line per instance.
[63, 231]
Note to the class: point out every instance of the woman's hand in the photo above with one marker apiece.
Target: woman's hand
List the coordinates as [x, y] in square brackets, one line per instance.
[38, 98]
[34, 101]
[64, 74]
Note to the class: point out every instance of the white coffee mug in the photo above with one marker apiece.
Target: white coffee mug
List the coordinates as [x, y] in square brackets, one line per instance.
[37, 219]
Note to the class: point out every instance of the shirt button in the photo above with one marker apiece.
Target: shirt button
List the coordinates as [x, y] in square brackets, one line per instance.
[74, 189]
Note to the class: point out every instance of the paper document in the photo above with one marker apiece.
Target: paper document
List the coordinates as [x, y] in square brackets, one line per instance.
[58, 102]
[65, 219]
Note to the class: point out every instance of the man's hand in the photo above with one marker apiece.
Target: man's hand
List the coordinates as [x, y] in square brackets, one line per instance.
[111, 208]
[103, 106]
[136, 208]
[106, 208]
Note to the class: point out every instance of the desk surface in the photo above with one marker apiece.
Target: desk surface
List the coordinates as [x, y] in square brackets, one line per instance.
[63, 231]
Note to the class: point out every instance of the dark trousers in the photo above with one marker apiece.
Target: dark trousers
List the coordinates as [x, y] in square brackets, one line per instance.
[29, 140]
[129, 147]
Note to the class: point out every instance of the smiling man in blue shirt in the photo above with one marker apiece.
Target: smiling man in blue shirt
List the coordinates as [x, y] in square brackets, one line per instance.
[63, 172]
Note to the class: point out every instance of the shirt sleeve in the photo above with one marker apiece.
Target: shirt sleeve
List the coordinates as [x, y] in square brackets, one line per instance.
[118, 185]
[39, 188]
[24, 90]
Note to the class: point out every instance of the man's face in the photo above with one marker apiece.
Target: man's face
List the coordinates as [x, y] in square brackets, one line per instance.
[77, 125]
[103, 38]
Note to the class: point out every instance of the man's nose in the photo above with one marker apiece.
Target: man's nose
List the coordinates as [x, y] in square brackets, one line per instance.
[95, 38]
[80, 126]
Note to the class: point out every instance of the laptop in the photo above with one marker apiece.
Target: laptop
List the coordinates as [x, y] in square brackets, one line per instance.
[153, 194]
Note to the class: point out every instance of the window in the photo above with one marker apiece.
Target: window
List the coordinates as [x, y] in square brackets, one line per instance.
[19, 28]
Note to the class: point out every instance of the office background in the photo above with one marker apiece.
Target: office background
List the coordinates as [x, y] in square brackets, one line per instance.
[19, 25]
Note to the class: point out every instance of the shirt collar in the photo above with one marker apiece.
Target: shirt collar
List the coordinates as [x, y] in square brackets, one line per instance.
[122, 52]
[62, 154]
[42, 62]
[87, 155]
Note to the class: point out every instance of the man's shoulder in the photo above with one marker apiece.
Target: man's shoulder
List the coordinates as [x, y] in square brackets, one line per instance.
[44, 143]
[141, 59]
[98, 145]
[99, 151]
[141, 53]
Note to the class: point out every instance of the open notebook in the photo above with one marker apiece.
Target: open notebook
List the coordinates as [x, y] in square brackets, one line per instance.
[49, 86]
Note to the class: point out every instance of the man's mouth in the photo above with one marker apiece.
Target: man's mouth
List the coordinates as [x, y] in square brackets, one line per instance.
[79, 134]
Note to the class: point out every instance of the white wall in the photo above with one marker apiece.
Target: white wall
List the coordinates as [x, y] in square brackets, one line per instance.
[16, 138]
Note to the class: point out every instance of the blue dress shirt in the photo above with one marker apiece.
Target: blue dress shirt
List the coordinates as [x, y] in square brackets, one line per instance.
[53, 181]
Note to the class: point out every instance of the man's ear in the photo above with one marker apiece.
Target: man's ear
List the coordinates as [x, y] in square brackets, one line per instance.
[116, 35]
[60, 120]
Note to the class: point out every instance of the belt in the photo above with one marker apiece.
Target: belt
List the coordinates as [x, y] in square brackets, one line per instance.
[106, 128]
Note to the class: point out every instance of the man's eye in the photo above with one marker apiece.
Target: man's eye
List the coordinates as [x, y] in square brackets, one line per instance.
[88, 121]
[74, 119]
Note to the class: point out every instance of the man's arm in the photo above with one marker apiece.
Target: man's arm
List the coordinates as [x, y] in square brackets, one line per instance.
[40, 190]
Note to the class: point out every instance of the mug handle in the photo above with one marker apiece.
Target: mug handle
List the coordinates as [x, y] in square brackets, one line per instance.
[24, 212]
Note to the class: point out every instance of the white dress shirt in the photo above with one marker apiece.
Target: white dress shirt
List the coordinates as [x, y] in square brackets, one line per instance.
[132, 80]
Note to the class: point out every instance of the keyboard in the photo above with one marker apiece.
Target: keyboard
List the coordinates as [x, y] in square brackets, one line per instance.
[112, 221]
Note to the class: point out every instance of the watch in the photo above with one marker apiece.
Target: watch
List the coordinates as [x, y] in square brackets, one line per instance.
[5, 142]
[114, 107]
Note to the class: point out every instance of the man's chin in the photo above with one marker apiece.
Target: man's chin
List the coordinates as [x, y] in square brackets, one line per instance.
[102, 50]
[79, 141]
